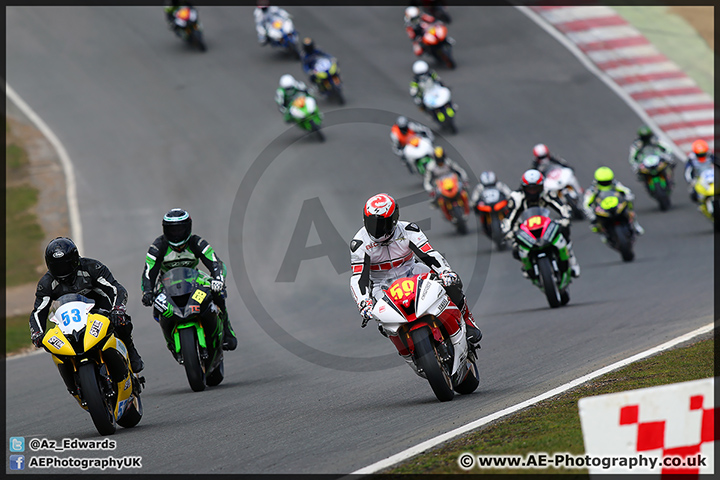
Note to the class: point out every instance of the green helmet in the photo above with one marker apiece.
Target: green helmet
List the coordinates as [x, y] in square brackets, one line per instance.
[644, 133]
[604, 177]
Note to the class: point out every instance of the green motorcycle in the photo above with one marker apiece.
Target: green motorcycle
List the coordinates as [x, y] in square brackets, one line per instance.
[656, 172]
[305, 112]
[191, 325]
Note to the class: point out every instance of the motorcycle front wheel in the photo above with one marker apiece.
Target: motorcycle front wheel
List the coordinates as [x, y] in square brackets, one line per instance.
[622, 236]
[191, 359]
[548, 282]
[101, 412]
[497, 235]
[428, 361]
[460, 222]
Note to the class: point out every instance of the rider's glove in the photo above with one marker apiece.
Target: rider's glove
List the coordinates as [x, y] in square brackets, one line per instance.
[366, 311]
[147, 299]
[449, 278]
[216, 285]
[36, 338]
[118, 316]
[564, 222]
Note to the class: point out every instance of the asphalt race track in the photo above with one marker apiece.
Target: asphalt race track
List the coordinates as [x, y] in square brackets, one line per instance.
[152, 125]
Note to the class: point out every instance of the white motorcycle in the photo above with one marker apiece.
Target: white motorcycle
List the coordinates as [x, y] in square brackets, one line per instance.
[281, 33]
[438, 103]
[563, 182]
[417, 312]
[417, 153]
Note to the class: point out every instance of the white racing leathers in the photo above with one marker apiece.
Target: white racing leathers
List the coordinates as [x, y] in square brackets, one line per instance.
[375, 266]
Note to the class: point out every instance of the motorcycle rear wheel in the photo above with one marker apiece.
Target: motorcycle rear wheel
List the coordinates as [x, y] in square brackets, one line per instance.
[216, 376]
[191, 359]
[429, 362]
[132, 415]
[548, 282]
[102, 414]
[471, 382]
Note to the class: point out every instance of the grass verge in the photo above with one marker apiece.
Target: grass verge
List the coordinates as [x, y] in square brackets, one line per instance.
[553, 426]
[17, 335]
[23, 234]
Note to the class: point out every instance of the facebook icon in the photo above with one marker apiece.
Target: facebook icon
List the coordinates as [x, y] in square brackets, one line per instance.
[17, 462]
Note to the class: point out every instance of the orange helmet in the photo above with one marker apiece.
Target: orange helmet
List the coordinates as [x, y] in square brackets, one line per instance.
[700, 149]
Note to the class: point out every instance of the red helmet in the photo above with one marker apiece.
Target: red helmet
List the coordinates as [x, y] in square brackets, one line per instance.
[700, 149]
[532, 185]
[380, 216]
[541, 151]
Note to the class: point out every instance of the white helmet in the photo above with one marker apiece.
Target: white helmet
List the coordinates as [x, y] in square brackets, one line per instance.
[540, 151]
[287, 81]
[412, 14]
[488, 178]
[420, 67]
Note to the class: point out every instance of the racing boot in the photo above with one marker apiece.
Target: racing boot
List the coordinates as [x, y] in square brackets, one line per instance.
[229, 338]
[408, 358]
[574, 265]
[474, 335]
[638, 229]
[135, 361]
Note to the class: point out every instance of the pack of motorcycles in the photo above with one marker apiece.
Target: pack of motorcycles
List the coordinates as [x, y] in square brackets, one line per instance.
[414, 310]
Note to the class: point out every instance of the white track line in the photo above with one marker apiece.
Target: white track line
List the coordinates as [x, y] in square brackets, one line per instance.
[433, 442]
[68, 169]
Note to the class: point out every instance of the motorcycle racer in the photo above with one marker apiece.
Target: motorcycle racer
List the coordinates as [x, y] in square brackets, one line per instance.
[416, 23]
[438, 167]
[178, 247]
[288, 90]
[386, 249]
[604, 180]
[532, 194]
[423, 77]
[264, 12]
[646, 138]
[68, 272]
[697, 160]
[403, 130]
[311, 54]
[171, 9]
[542, 159]
[488, 180]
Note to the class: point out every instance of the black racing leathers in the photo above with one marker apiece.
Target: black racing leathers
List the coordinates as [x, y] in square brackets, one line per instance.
[92, 280]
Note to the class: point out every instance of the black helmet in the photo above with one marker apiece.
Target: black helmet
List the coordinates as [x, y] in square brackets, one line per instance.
[308, 45]
[62, 258]
[380, 215]
[177, 227]
[644, 133]
[402, 123]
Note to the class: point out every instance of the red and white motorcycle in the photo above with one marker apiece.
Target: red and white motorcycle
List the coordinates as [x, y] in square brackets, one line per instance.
[418, 316]
[564, 183]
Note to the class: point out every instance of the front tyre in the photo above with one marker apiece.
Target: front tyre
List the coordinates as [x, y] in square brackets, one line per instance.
[496, 233]
[547, 279]
[459, 214]
[101, 412]
[622, 236]
[191, 359]
[428, 361]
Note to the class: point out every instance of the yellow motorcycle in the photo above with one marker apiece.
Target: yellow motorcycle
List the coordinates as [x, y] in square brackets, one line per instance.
[705, 192]
[94, 364]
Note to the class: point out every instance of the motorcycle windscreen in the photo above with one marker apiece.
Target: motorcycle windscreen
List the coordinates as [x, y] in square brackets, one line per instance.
[179, 283]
